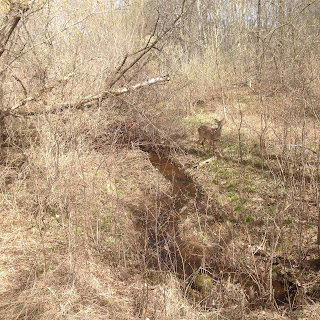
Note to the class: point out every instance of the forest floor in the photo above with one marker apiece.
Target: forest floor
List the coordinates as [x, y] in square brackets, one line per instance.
[90, 228]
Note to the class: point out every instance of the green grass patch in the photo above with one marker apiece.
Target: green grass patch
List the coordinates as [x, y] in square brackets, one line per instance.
[231, 186]
[249, 219]
[233, 197]
[244, 200]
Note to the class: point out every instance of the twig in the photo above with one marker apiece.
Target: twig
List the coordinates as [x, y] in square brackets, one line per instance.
[40, 92]
[22, 85]
[301, 146]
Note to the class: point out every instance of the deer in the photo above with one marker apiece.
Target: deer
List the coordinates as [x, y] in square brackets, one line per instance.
[213, 135]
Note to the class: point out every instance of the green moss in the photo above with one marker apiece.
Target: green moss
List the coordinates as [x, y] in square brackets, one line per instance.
[153, 277]
[288, 221]
[203, 283]
[193, 294]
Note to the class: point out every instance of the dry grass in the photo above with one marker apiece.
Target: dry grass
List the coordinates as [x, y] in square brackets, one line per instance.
[260, 204]
[89, 229]
[69, 248]
[69, 201]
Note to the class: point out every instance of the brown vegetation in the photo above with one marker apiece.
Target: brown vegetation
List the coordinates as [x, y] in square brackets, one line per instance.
[107, 209]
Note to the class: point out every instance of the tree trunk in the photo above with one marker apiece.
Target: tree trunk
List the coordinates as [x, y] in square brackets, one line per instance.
[258, 43]
[6, 30]
[281, 41]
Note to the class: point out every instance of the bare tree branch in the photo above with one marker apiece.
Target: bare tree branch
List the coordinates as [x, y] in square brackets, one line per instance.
[11, 21]
[148, 47]
[22, 85]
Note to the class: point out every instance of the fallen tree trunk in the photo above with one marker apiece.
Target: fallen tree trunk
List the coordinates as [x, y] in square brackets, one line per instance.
[87, 101]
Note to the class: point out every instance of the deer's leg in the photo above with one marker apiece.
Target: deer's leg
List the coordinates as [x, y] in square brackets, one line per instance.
[204, 145]
[219, 148]
[213, 147]
[200, 142]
